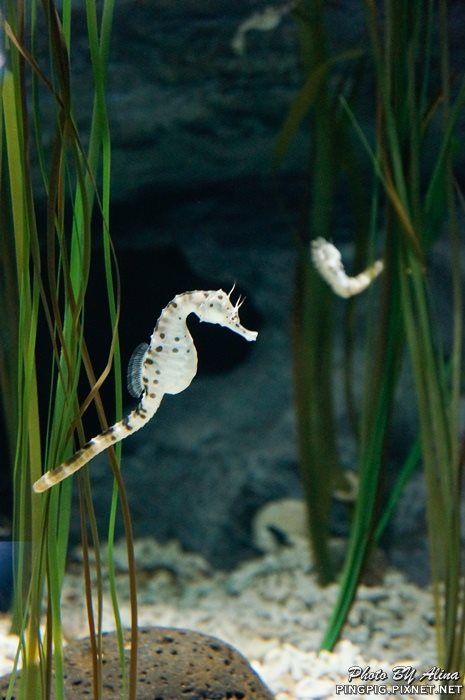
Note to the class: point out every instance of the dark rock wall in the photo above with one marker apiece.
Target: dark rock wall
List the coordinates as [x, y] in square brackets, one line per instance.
[213, 454]
[184, 107]
[195, 205]
[193, 127]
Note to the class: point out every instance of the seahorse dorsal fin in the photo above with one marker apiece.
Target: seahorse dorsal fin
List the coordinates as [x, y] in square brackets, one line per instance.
[134, 376]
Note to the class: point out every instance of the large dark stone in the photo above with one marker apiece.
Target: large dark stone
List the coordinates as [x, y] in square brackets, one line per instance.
[173, 664]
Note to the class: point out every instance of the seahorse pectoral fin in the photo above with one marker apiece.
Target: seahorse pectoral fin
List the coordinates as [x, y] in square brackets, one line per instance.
[134, 375]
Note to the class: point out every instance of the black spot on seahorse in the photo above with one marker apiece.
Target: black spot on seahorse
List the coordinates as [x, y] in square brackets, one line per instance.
[110, 432]
[71, 460]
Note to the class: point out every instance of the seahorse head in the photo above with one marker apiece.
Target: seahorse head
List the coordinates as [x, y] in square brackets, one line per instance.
[216, 307]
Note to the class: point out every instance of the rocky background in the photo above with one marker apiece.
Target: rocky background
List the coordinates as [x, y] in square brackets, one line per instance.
[196, 205]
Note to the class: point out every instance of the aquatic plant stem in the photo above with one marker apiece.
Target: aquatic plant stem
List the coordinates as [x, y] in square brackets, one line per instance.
[68, 260]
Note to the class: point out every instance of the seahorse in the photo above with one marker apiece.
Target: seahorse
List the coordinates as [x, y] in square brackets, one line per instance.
[327, 260]
[166, 366]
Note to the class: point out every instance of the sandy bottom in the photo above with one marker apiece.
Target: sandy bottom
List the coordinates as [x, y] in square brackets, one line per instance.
[271, 609]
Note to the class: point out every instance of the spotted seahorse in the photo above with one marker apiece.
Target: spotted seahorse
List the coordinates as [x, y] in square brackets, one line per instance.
[166, 366]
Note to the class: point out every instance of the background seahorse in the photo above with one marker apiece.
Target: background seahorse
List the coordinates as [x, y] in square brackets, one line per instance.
[166, 366]
[327, 260]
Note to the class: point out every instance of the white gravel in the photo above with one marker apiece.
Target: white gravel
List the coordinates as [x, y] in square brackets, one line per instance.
[272, 610]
